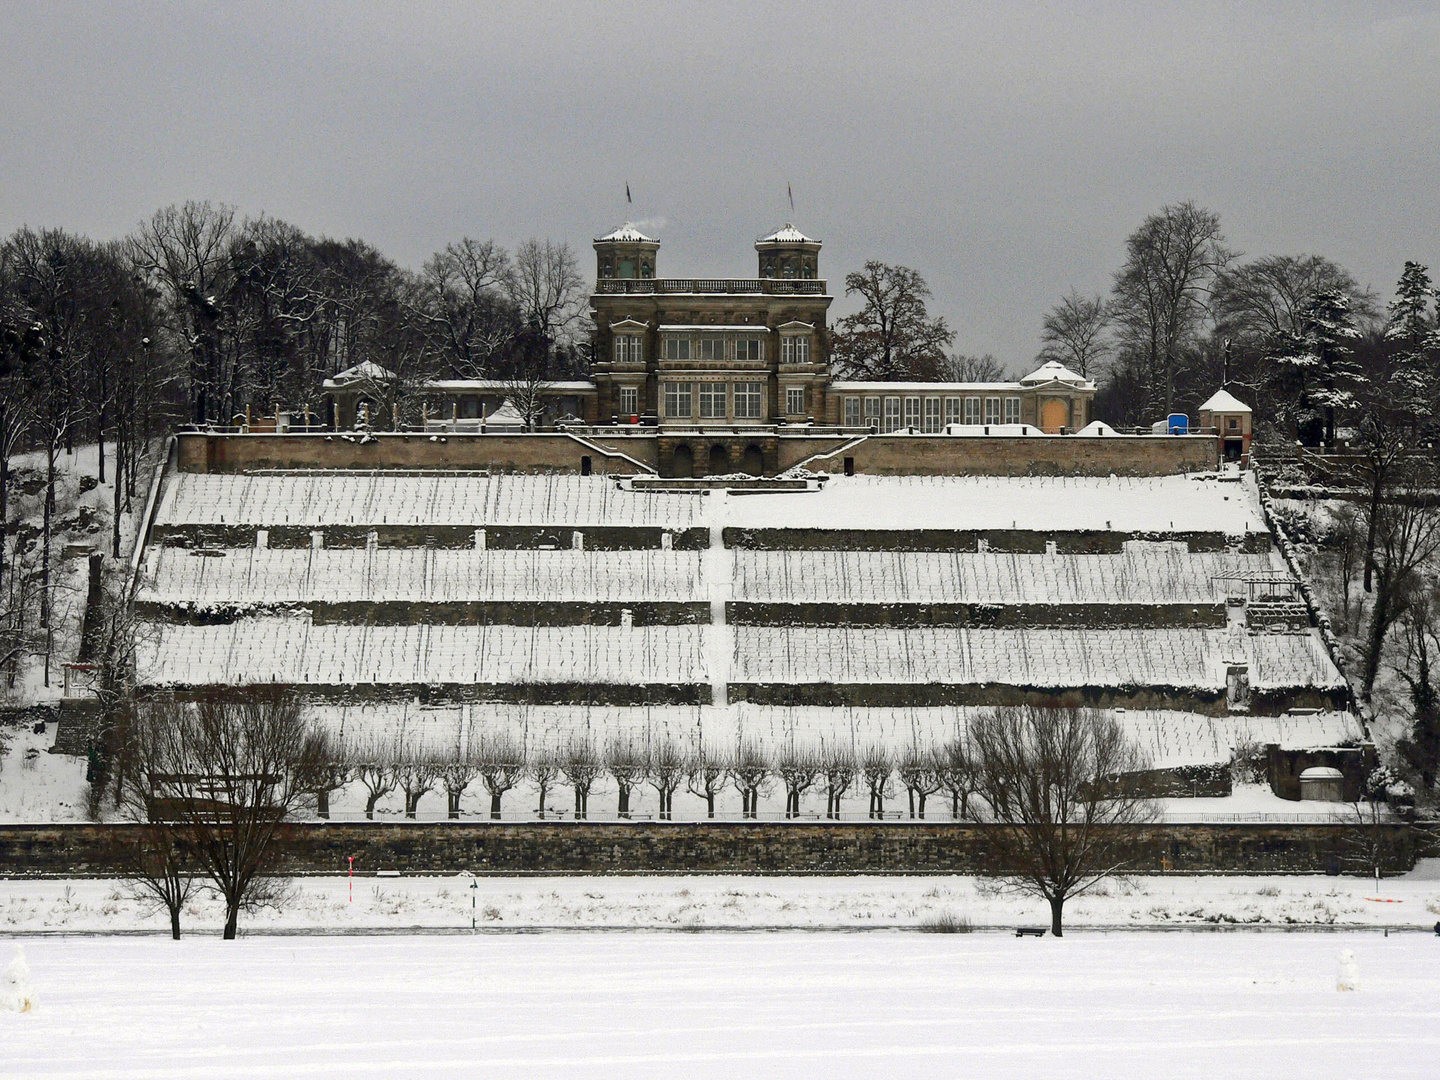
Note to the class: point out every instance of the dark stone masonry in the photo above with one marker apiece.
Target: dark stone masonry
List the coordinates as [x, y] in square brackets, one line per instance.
[639, 847]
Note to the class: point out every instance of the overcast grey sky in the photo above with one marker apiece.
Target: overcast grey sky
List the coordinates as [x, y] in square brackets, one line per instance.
[1004, 150]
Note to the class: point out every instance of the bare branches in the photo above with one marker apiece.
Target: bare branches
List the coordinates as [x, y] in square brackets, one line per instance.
[798, 768]
[665, 769]
[226, 773]
[1073, 333]
[625, 760]
[501, 762]
[892, 336]
[581, 766]
[1065, 784]
[748, 770]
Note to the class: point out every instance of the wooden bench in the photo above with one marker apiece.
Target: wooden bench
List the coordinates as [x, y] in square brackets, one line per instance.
[1029, 931]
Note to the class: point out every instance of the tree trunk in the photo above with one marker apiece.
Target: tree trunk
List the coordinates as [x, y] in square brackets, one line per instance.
[411, 803]
[1056, 904]
[1370, 538]
[1379, 624]
[452, 799]
[710, 804]
[175, 921]
[922, 806]
[495, 805]
[624, 808]
[232, 918]
[370, 802]
[322, 803]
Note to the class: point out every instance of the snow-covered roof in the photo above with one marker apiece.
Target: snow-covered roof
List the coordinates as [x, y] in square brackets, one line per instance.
[365, 371]
[1222, 401]
[787, 234]
[843, 386]
[626, 234]
[1096, 428]
[548, 386]
[507, 416]
[1054, 371]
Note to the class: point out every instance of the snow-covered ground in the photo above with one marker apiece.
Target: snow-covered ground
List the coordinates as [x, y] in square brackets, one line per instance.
[370, 904]
[1169, 1006]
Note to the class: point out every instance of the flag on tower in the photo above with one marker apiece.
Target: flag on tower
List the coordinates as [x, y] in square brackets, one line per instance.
[627, 191]
[792, 197]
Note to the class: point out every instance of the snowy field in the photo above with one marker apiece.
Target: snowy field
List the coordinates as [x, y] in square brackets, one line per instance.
[725, 1005]
[677, 902]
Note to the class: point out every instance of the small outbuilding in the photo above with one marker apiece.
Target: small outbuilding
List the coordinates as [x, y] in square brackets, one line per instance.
[1321, 783]
[1232, 420]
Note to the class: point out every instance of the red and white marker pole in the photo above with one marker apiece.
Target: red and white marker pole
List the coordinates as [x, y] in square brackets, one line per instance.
[351, 858]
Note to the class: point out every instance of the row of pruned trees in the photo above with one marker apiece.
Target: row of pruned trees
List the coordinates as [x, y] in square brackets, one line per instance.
[500, 762]
[210, 783]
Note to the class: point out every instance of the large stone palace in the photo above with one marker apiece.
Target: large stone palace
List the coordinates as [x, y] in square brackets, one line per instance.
[694, 377]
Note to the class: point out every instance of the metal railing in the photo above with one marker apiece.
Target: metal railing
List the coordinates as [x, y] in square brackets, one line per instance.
[758, 286]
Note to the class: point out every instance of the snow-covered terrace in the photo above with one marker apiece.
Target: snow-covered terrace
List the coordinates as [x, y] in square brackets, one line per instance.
[1051, 504]
[1049, 658]
[291, 650]
[1144, 574]
[262, 576]
[317, 499]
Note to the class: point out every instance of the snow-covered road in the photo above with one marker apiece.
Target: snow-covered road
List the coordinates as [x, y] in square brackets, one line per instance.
[756, 1005]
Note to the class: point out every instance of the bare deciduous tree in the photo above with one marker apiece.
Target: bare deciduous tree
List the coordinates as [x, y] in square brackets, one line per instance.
[876, 767]
[226, 773]
[1162, 290]
[1073, 333]
[799, 768]
[1406, 527]
[840, 768]
[582, 767]
[892, 336]
[917, 772]
[705, 775]
[159, 871]
[544, 771]
[417, 773]
[1064, 788]
[375, 763]
[625, 762]
[749, 769]
[665, 769]
[501, 763]
[954, 766]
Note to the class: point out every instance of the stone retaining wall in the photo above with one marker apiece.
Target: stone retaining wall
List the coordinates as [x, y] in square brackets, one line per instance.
[705, 847]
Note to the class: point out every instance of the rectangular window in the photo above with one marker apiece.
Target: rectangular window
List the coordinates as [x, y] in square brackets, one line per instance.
[795, 400]
[749, 349]
[972, 410]
[747, 401]
[794, 350]
[992, 410]
[712, 348]
[872, 412]
[892, 415]
[629, 401]
[677, 348]
[852, 412]
[677, 399]
[712, 401]
[952, 410]
[627, 349]
[1012, 410]
[912, 412]
[932, 414]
